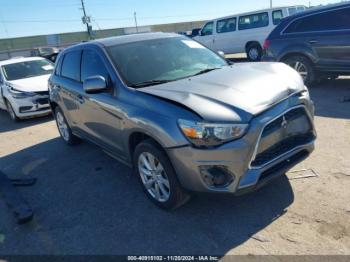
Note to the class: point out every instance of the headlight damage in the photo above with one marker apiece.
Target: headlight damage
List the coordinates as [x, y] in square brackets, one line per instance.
[203, 134]
[20, 94]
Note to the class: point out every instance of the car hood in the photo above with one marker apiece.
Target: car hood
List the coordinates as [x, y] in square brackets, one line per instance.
[233, 93]
[31, 84]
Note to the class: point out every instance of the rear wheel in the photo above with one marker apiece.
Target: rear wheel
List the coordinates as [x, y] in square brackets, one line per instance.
[254, 52]
[11, 111]
[304, 67]
[157, 176]
[64, 129]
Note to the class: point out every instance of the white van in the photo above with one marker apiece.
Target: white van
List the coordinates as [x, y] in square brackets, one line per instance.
[244, 32]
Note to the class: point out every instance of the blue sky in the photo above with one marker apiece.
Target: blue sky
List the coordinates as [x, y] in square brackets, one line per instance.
[23, 17]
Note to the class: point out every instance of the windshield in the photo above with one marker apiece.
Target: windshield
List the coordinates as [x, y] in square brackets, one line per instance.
[27, 69]
[162, 60]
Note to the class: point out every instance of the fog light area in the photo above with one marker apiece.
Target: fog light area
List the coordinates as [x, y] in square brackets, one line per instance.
[216, 176]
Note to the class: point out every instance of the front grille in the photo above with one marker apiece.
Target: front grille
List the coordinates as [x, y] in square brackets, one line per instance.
[42, 93]
[282, 135]
[282, 147]
[42, 101]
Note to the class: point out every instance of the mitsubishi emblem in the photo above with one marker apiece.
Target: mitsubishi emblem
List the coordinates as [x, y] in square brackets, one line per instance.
[284, 122]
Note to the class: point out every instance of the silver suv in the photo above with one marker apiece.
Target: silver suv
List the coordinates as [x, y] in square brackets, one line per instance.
[181, 115]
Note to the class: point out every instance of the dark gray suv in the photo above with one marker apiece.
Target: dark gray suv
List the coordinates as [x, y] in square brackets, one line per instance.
[316, 43]
[181, 115]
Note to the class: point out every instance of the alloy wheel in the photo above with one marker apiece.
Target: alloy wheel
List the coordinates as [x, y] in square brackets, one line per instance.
[62, 126]
[300, 68]
[154, 177]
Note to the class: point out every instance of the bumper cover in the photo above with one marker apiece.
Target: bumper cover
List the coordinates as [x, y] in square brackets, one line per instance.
[237, 156]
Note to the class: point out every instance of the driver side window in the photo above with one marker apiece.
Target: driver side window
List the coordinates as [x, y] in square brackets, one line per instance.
[208, 29]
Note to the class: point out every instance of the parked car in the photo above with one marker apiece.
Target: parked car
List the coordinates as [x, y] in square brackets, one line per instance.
[316, 42]
[24, 87]
[195, 32]
[184, 118]
[49, 53]
[243, 33]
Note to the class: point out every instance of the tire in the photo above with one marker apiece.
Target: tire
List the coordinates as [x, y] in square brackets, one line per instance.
[170, 194]
[254, 52]
[64, 129]
[11, 112]
[304, 67]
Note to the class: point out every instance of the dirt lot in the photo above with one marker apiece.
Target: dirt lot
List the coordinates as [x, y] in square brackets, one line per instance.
[87, 203]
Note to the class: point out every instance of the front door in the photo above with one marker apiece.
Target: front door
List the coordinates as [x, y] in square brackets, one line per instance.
[100, 116]
[206, 37]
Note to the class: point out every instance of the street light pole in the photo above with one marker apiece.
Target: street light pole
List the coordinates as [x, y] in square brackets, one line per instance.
[85, 18]
[137, 28]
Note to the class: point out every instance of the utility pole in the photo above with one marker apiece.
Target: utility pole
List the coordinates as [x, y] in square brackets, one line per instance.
[86, 19]
[137, 29]
[270, 3]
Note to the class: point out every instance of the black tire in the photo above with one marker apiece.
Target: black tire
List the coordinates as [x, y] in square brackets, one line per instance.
[69, 138]
[311, 74]
[178, 196]
[254, 52]
[11, 112]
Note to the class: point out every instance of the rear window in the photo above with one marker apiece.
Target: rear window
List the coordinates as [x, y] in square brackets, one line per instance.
[326, 21]
[253, 21]
[71, 65]
[226, 25]
[277, 16]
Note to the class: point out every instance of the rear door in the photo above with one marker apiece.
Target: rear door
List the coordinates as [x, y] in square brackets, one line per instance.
[328, 35]
[69, 87]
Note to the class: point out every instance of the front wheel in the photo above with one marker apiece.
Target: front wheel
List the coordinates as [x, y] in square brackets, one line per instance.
[304, 67]
[11, 111]
[157, 176]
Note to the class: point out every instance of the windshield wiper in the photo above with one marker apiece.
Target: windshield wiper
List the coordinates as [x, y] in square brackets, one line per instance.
[206, 71]
[150, 83]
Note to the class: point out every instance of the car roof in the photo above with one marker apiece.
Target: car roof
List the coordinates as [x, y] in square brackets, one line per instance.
[256, 11]
[313, 10]
[124, 39]
[19, 60]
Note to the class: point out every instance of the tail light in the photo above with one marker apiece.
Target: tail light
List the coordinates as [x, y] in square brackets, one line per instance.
[267, 44]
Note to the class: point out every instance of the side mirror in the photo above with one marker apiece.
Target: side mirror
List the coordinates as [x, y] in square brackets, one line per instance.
[95, 84]
[221, 53]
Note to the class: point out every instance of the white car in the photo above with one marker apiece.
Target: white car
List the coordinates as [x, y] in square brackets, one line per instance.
[244, 32]
[24, 87]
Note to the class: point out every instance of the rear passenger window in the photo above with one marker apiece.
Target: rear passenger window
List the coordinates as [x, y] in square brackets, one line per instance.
[92, 65]
[253, 21]
[226, 25]
[71, 65]
[277, 16]
[326, 21]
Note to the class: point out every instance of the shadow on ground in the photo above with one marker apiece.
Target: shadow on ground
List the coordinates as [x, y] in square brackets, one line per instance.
[6, 124]
[332, 98]
[87, 203]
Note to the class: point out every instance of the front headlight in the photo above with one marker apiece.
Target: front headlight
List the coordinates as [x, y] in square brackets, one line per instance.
[19, 94]
[203, 134]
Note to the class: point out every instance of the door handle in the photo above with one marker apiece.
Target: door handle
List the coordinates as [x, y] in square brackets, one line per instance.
[312, 42]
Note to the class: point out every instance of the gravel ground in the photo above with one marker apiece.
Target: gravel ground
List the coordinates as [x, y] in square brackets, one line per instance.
[87, 203]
